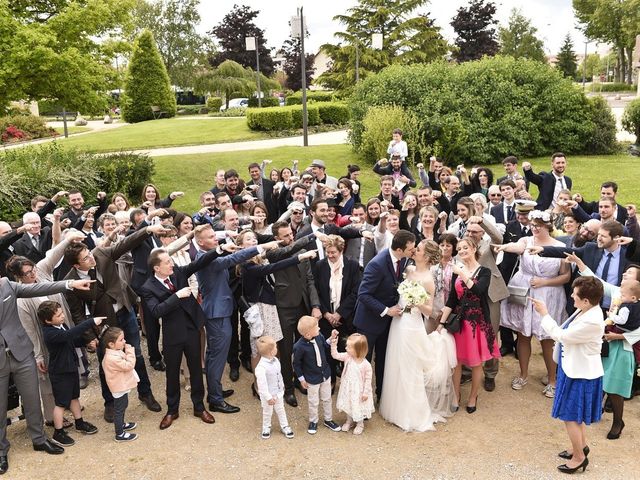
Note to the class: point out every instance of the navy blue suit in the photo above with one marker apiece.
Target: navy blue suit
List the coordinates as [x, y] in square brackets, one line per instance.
[217, 304]
[546, 183]
[305, 363]
[378, 290]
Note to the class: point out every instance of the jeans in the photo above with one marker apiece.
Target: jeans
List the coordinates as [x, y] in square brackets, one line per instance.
[218, 341]
[119, 406]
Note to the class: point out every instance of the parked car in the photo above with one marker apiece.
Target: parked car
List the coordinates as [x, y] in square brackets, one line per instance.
[236, 103]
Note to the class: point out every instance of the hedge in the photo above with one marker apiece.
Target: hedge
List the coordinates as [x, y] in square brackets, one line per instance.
[612, 87]
[266, 102]
[28, 127]
[316, 96]
[333, 113]
[481, 111]
[631, 119]
[47, 169]
[214, 103]
[281, 118]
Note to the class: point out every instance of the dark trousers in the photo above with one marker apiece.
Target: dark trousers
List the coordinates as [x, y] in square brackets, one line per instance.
[377, 343]
[240, 348]
[289, 324]
[152, 329]
[173, 358]
[127, 322]
[120, 405]
[507, 338]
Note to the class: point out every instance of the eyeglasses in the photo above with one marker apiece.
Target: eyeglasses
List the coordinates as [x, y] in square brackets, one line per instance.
[296, 213]
[87, 257]
[29, 273]
[495, 195]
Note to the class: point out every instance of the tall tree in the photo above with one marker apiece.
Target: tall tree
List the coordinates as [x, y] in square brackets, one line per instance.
[566, 60]
[230, 34]
[53, 50]
[519, 38]
[612, 21]
[475, 30]
[173, 23]
[291, 51]
[408, 37]
[147, 82]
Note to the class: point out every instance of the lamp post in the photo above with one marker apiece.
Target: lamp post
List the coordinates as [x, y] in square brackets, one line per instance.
[299, 29]
[251, 43]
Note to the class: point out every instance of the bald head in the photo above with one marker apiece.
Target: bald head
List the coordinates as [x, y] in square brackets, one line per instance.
[593, 224]
[4, 228]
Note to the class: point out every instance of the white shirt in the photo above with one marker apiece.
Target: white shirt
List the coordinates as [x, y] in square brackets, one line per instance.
[560, 185]
[335, 283]
[394, 261]
[269, 379]
[314, 229]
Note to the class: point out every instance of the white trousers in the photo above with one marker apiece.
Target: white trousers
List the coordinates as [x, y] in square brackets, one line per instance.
[317, 393]
[267, 413]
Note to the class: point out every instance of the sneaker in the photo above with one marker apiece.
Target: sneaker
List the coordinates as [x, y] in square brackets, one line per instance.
[61, 439]
[359, 428]
[129, 426]
[549, 391]
[87, 428]
[330, 424]
[126, 437]
[287, 432]
[266, 433]
[545, 380]
[518, 383]
[312, 428]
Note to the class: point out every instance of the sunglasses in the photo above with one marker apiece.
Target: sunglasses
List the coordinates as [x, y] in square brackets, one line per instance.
[495, 195]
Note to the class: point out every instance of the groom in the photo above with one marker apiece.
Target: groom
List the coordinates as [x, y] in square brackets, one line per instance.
[378, 297]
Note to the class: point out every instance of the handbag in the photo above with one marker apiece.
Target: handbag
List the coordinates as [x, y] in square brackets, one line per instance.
[454, 322]
[517, 295]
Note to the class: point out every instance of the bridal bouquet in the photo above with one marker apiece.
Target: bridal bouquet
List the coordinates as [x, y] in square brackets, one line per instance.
[412, 293]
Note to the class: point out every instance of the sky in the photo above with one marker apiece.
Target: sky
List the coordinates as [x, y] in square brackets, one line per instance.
[552, 18]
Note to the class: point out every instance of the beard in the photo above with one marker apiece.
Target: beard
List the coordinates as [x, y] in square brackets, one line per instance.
[579, 240]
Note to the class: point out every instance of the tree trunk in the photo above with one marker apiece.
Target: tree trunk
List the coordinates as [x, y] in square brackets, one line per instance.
[617, 68]
[630, 63]
[623, 64]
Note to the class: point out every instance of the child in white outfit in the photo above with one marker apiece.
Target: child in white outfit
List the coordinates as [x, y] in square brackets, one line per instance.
[271, 387]
[355, 396]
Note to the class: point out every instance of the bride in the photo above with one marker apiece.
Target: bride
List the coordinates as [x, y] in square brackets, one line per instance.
[418, 389]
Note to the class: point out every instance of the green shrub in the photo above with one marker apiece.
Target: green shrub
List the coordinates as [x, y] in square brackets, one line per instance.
[214, 103]
[313, 115]
[146, 82]
[271, 118]
[612, 87]
[191, 110]
[230, 112]
[47, 169]
[32, 126]
[266, 102]
[482, 111]
[314, 96]
[333, 113]
[603, 136]
[631, 119]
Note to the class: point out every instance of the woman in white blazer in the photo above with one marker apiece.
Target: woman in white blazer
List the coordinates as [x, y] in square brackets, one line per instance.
[578, 399]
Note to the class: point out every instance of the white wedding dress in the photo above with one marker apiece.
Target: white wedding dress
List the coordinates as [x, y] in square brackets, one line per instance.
[418, 389]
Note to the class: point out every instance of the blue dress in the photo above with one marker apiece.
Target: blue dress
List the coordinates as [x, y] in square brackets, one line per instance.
[577, 399]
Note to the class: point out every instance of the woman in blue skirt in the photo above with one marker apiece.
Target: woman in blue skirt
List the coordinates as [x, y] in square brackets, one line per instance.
[578, 399]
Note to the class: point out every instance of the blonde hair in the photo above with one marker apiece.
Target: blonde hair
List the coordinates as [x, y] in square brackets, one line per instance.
[431, 251]
[265, 345]
[360, 345]
[335, 241]
[306, 323]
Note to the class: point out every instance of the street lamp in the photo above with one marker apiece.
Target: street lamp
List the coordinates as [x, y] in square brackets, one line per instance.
[251, 43]
[299, 29]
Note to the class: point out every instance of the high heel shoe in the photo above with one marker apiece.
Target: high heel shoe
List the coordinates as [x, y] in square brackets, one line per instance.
[568, 456]
[564, 469]
[471, 409]
[615, 436]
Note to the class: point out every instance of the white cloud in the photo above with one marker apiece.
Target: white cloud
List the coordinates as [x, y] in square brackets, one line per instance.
[552, 18]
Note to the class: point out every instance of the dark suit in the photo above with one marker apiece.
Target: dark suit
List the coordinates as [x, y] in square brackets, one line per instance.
[404, 170]
[267, 198]
[329, 229]
[591, 208]
[296, 295]
[354, 245]
[182, 320]
[24, 246]
[100, 300]
[498, 213]
[6, 249]
[61, 344]
[378, 290]
[546, 182]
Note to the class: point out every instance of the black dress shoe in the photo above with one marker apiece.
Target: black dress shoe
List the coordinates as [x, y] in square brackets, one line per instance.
[504, 351]
[223, 407]
[48, 447]
[568, 456]
[159, 366]
[227, 393]
[299, 386]
[564, 469]
[291, 399]
[151, 403]
[234, 374]
[489, 384]
[247, 365]
[4, 464]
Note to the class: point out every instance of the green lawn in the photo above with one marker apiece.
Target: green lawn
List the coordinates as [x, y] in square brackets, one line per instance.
[194, 174]
[166, 133]
[72, 130]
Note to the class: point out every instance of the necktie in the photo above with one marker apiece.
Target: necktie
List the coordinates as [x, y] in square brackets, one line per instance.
[317, 350]
[561, 182]
[319, 244]
[463, 229]
[35, 240]
[525, 231]
[605, 269]
[398, 269]
[170, 285]
[509, 213]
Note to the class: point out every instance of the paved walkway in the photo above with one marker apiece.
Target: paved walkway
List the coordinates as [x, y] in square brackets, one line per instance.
[327, 138]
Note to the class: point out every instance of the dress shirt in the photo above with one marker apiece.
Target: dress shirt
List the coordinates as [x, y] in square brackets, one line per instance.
[561, 184]
[394, 261]
[269, 379]
[612, 275]
[314, 229]
[335, 283]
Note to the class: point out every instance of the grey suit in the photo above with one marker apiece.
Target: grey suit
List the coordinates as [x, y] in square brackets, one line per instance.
[16, 357]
